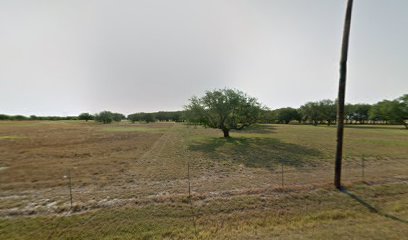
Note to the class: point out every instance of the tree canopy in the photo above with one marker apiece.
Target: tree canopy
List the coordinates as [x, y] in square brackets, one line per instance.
[286, 115]
[85, 116]
[224, 109]
[395, 111]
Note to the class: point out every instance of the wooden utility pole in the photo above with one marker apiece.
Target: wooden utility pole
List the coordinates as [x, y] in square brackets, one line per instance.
[341, 96]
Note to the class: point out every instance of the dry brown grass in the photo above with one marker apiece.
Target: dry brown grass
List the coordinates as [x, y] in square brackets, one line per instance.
[44, 151]
[141, 166]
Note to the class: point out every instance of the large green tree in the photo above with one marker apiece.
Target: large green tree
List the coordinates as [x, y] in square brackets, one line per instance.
[224, 109]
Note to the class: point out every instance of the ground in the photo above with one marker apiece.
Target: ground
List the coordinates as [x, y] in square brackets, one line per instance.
[130, 181]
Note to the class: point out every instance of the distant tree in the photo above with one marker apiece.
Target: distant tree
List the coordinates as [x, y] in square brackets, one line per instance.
[135, 117]
[327, 110]
[286, 115]
[148, 117]
[85, 116]
[224, 109]
[360, 112]
[348, 112]
[104, 117]
[267, 116]
[311, 112]
[117, 117]
[403, 101]
[394, 111]
[4, 117]
[18, 117]
[162, 116]
[177, 116]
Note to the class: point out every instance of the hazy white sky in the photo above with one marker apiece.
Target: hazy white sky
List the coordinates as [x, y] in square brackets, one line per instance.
[66, 57]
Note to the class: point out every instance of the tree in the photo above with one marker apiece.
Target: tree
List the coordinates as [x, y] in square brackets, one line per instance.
[360, 112]
[4, 117]
[348, 112]
[403, 101]
[224, 109]
[285, 115]
[104, 117]
[18, 117]
[117, 117]
[148, 117]
[135, 117]
[394, 111]
[311, 112]
[327, 111]
[267, 116]
[85, 116]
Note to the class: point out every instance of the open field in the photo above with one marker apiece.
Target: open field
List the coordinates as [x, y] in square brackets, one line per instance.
[130, 181]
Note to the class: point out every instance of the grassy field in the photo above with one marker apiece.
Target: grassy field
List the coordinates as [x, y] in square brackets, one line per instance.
[129, 181]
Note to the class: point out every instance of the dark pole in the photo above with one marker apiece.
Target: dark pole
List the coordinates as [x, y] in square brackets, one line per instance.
[342, 91]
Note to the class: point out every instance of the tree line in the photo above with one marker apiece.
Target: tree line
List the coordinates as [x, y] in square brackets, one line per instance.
[106, 117]
[231, 109]
[162, 116]
[316, 112]
[34, 117]
[324, 112]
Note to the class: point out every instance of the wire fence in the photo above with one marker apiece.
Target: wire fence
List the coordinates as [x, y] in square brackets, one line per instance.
[57, 204]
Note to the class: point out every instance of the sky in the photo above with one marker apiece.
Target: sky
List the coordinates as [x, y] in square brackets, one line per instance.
[64, 57]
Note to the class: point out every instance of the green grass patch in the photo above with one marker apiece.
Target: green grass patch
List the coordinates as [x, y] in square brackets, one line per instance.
[12, 137]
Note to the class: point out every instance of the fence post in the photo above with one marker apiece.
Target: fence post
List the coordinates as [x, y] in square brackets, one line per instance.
[189, 183]
[282, 175]
[190, 199]
[69, 185]
[362, 168]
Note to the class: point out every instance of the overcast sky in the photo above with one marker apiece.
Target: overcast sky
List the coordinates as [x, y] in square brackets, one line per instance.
[66, 57]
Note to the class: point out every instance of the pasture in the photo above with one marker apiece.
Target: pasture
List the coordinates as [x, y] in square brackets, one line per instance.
[131, 181]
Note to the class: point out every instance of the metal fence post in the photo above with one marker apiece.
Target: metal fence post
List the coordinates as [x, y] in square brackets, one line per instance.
[189, 183]
[362, 168]
[190, 199]
[69, 185]
[282, 175]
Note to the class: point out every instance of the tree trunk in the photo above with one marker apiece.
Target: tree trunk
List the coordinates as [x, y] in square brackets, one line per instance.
[226, 133]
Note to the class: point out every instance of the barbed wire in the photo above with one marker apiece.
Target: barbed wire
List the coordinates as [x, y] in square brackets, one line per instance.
[292, 177]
